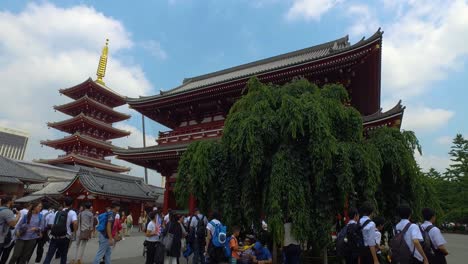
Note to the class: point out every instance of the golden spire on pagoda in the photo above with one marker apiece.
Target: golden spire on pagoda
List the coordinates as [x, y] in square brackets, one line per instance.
[101, 70]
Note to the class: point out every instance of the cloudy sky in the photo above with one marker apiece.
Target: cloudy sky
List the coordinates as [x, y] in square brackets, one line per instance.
[48, 45]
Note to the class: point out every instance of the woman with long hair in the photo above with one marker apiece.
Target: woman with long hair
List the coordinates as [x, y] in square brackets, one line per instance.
[28, 230]
[174, 228]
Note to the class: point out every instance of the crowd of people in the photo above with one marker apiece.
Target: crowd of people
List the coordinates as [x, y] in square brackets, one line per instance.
[200, 239]
[361, 240]
[30, 229]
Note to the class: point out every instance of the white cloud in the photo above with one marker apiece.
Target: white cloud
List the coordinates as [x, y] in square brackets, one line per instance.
[425, 118]
[135, 139]
[424, 41]
[440, 163]
[44, 48]
[310, 9]
[154, 48]
[444, 140]
[365, 20]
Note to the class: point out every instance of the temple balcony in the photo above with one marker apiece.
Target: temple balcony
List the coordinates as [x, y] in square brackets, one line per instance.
[194, 132]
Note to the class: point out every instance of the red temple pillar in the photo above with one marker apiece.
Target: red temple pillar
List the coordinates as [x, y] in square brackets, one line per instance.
[166, 196]
[192, 204]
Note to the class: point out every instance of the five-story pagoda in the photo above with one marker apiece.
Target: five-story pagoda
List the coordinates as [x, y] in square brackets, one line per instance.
[90, 126]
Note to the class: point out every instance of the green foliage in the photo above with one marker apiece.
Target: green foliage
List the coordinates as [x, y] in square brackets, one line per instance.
[451, 188]
[298, 152]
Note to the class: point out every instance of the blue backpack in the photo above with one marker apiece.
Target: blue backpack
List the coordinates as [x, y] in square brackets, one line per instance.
[219, 237]
[102, 218]
[227, 248]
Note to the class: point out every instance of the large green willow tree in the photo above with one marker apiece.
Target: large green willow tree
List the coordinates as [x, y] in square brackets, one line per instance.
[298, 152]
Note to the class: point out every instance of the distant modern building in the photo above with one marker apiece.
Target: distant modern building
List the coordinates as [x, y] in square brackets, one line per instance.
[13, 143]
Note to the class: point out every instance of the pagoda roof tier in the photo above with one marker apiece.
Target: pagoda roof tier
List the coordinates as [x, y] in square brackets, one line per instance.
[76, 107]
[76, 159]
[83, 122]
[78, 138]
[391, 118]
[95, 90]
[336, 61]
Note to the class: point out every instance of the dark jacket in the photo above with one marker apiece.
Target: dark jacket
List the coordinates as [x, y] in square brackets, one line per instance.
[175, 229]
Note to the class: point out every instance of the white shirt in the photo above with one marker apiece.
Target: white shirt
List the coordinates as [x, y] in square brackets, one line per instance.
[71, 217]
[412, 233]
[289, 239]
[166, 219]
[351, 222]
[49, 220]
[154, 227]
[378, 237]
[211, 227]
[436, 236]
[194, 221]
[23, 213]
[46, 215]
[368, 232]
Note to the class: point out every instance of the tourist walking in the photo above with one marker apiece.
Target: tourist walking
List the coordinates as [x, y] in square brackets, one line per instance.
[174, 228]
[106, 240]
[129, 223]
[84, 232]
[292, 248]
[437, 241]
[142, 221]
[234, 245]
[8, 219]
[412, 235]
[347, 244]
[369, 254]
[153, 239]
[213, 248]
[47, 214]
[62, 230]
[197, 235]
[28, 230]
[123, 222]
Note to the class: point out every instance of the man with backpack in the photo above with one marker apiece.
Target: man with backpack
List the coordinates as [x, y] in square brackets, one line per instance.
[7, 220]
[215, 240]
[64, 226]
[197, 233]
[347, 241]
[434, 242]
[368, 251]
[405, 245]
[106, 240]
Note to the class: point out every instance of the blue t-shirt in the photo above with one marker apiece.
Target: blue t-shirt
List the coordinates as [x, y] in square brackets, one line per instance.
[263, 254]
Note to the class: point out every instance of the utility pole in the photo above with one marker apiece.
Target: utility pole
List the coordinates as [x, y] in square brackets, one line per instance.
[144, 144]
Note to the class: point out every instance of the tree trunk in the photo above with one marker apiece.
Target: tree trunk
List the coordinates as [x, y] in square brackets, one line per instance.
[275, 254]
[325, 255]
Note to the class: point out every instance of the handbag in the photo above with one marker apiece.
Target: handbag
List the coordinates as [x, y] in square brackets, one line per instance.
[84, 234]
[168, 239]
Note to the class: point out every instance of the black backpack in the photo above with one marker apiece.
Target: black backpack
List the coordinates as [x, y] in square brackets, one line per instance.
[427, 243]
[200, 231]
[59, 228]
[350, 241]
[400, 251]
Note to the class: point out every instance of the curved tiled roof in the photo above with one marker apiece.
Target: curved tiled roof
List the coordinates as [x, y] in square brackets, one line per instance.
[114, 184]
[307, 55]
[85, 99]
[11, 168]
[72, 91]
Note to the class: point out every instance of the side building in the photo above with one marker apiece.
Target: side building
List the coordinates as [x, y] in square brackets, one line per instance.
[197, 109]
[13, 143]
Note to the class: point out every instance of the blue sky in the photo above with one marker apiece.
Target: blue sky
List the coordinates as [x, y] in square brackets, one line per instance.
[47, 45]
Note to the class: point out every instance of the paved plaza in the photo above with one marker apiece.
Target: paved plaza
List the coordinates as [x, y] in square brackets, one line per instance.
[130, 250]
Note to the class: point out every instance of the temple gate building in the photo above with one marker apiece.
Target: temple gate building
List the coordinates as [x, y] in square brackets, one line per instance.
[196, 109]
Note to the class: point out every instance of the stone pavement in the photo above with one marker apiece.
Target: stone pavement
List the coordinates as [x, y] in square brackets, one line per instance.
[130, 250]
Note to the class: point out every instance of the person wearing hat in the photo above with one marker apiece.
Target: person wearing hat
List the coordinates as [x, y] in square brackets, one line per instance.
[261, 254]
